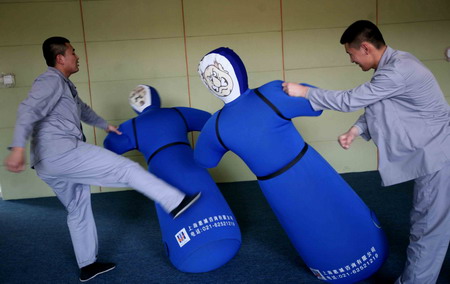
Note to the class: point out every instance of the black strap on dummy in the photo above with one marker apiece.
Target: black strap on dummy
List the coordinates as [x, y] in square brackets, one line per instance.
[173, 143]
[297, 158]
[277, 111]
[162, 147]
[165, 147]
[217, 130]
[133, 121]
[287, 167]
[182, 116]
[270, 104]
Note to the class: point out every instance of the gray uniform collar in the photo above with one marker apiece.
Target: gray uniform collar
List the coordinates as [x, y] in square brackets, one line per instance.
[60, 74]
[385, 57]
[54, 70]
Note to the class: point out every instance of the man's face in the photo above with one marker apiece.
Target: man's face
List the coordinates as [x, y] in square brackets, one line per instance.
[70, 58]
[359, 56]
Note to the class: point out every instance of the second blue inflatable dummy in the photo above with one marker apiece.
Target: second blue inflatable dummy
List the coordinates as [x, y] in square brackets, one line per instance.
[207, 235]
[334, 232]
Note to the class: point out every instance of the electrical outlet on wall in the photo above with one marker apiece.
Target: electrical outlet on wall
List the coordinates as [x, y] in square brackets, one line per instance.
[7, 80]
[447, 53]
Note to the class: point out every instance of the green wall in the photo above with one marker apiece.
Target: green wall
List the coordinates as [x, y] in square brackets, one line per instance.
[160, 42]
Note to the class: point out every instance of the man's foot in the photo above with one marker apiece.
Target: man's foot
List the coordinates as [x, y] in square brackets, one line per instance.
[90, 271]
[187, 201]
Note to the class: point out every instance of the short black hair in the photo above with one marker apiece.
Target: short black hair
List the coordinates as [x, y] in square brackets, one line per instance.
[52, 47]
[360, 31]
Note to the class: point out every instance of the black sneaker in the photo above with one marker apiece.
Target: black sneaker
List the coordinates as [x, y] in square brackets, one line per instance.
[90, 271]
[187, 201]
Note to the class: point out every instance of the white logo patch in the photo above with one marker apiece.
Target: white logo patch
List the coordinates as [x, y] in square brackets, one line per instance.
[182, 237]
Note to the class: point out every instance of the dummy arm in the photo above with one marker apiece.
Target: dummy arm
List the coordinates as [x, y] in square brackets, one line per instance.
[290, 107]
[195, 118]
[296, 106]
[208, 151]
[121, 143]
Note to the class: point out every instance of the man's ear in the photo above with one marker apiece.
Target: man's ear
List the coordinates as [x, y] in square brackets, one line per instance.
[366, 47]
[60, 59]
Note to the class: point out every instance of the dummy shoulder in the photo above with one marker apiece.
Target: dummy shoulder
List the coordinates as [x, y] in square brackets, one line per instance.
[210, 124]
[195, 119]
[272, 87]
[209, 130]
[188, 111]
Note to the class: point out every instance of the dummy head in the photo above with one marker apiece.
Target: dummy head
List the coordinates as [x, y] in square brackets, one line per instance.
[142, 97]
[224, 74]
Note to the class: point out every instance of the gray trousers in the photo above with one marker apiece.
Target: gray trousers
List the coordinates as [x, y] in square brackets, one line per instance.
[430, 228]
[70, 176]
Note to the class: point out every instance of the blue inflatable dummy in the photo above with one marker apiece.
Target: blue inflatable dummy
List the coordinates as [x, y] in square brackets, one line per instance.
[334, 232]
[207, 235]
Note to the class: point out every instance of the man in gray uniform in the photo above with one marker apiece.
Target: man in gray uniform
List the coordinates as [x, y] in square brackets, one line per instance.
[52, 115]
[408, 118]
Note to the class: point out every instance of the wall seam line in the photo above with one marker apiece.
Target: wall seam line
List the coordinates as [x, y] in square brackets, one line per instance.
[186, 62]
[87, 68]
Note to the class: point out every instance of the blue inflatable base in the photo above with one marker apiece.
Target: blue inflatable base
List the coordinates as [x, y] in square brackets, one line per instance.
[209, 257]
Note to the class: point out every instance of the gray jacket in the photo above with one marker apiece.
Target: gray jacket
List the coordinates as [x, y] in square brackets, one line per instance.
[406, 115]
[52, 115]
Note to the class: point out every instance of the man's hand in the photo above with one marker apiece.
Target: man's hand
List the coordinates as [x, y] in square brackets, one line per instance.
[294, 89]
[15, 162]
[112, 128]
[346, 139]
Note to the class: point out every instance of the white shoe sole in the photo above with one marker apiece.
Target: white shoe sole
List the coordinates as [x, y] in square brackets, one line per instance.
[85, 280]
